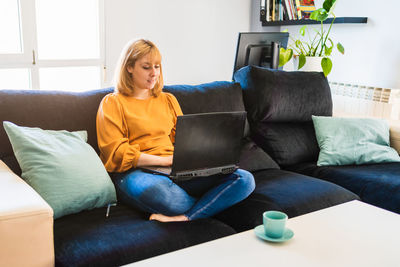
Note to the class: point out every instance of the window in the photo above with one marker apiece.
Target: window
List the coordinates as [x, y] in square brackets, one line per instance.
[51, 44]
[17, 78]
[10, 38]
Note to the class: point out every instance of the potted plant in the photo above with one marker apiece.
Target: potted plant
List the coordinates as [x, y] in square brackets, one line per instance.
[318, 47]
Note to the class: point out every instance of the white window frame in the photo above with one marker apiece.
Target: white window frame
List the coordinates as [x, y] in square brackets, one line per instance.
[28, 58]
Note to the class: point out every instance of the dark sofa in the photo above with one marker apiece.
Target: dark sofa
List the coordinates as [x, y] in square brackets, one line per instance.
[89, 238]
[281, 125]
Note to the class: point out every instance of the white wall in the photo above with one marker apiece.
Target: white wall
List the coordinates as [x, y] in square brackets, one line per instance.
[372, 54]
[372, 50]
[197, 38]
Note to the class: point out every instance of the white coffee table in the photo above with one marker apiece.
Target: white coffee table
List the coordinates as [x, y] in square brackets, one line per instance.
[350, 234]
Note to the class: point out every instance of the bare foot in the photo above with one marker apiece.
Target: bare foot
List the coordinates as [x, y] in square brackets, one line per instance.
[163, 218]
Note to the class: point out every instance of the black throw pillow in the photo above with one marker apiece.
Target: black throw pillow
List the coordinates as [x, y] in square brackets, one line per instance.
[279, 96]
[287, 143]
[279, 107]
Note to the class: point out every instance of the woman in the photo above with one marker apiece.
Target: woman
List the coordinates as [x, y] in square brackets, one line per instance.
[136, 127]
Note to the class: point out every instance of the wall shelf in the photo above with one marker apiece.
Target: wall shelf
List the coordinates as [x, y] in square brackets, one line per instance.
[309, 21]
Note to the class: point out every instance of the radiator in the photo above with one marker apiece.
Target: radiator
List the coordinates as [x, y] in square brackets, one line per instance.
[365, 101]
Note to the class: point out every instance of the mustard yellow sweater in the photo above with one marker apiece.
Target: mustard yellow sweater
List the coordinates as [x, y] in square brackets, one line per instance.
[127, 127]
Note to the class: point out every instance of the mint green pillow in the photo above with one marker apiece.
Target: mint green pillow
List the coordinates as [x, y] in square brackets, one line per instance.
[62, 168]
[348, 141]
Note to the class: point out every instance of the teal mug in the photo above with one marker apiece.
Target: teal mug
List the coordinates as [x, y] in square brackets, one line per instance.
[274, 223]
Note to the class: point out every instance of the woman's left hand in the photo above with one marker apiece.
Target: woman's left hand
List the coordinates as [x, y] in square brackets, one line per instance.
[151, 160]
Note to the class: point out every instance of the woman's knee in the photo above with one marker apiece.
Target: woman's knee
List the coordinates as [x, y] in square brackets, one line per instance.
[246, 181]
[168, 199]
[154, 193]
[140, 182]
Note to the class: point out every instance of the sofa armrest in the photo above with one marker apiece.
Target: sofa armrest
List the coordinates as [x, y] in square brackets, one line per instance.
[26, 223]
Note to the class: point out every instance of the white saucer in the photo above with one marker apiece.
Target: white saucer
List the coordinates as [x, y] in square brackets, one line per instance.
[287, 235]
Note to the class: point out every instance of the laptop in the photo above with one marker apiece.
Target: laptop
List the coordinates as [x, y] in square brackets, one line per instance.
[205, 144]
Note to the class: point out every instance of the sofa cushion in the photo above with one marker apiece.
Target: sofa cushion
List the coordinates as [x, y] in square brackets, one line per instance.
[222, 96]
[287, 143]
[208, 97]
[280, 96]
[347, 141]
[253, 158]
[90, 239]
[292, 193]
[62, 168]
[219, 96]
[280, 105]
[52, 110]
[376, 184]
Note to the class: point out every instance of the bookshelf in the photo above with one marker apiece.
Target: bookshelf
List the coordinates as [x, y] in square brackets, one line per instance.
[338, 20]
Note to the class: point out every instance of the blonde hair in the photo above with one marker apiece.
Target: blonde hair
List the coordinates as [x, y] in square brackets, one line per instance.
[132, 52]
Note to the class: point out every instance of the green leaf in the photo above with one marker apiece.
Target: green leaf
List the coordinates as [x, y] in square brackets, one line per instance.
[340, 48]
[284, 56]
[328, 4]
[319, 15]
[326, 64]
[302, 61]
[285, 30]
[328, 51]
[303, 30]
[298, 43]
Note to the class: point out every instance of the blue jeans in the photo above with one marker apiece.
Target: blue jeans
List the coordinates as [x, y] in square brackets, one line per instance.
[201, 197]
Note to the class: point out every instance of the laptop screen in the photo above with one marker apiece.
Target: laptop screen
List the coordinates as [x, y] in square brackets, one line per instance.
[208, 140]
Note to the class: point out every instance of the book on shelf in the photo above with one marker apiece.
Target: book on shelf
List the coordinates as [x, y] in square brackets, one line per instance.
[294, 5]
[273, 10]
[284, 11]
[287, 11]
[306, 8]
[289, 7]
[298, 9]
[278, 10]
[263, 11]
